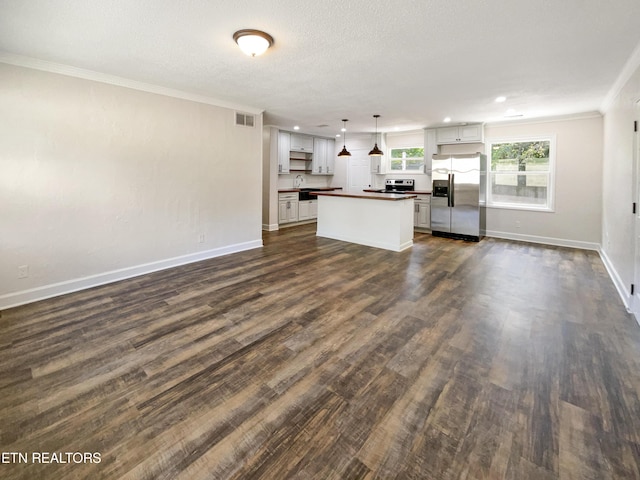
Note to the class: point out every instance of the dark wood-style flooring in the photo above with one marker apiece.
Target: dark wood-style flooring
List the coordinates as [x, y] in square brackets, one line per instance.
[317, 359]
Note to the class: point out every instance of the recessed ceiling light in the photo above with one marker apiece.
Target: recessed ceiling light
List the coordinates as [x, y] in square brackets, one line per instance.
[296, 127]
[501, 99]
[337, 135]
[447, 119]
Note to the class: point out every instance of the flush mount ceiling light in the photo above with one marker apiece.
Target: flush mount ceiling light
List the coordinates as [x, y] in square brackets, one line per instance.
[344, 152]
[376, 152]
[253, 42]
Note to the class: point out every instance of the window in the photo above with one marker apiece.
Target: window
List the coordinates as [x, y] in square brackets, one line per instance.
[521, 173]
[406, 159]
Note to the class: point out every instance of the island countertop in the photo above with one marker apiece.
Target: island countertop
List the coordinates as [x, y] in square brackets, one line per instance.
[368, 195]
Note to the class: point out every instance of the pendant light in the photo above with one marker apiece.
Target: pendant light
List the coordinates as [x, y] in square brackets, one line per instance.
[344, 152]
[376, 152]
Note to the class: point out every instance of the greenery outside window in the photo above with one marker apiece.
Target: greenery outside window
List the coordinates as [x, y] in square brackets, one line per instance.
[521, 173]
[406, 159]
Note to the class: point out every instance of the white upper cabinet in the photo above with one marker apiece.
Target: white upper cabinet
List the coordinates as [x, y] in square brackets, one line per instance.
[284, 147]
[461, 134]
[323, 156]
[301, 143]
[331, 156]
[378, 165]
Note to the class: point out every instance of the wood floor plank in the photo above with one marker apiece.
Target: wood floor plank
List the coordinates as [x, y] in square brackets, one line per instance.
[313, 358]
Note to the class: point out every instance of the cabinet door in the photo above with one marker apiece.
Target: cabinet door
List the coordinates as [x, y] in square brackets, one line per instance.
[293, 211]
[304, 210]
[330, 164]
[284, 146]
[423, 215]
[319, 163]
[430, 149]
[376, 165]
[470, 133]
[313, 209]
[283, 212]
[447, 135]
[301, 143]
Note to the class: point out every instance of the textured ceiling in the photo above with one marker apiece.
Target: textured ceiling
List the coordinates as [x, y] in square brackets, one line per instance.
[412, 62]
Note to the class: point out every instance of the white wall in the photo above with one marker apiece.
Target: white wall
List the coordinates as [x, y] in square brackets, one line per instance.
[576, 220]
[618, 220]
[100, 182]
[354, 142]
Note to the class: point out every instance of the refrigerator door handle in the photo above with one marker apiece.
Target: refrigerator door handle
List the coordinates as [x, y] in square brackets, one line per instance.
[451, 202]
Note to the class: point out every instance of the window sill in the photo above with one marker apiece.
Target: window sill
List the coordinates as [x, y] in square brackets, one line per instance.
[527, 208]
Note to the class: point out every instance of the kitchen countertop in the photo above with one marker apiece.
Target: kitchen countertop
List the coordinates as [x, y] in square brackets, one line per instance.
[369, 195]
[319, 189]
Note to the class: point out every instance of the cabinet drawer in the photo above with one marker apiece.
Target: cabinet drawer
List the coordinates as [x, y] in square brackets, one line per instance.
[288, 196]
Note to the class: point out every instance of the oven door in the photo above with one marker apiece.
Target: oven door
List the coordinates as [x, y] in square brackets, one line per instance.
[303, 196]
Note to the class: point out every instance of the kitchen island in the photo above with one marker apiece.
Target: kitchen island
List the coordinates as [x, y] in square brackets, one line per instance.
[382, 220]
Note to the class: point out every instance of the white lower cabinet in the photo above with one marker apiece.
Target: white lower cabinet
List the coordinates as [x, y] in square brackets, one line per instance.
[422, 212]
[307, 210]
[288, 207]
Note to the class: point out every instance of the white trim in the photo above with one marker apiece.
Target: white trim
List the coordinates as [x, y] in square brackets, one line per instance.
[366, 241]
[70, 71]
[627, 71]
[552, 119]
[634, 301]
[625, 294]
[41, 293]
[270, 227]
[558, 242]
[551, 195]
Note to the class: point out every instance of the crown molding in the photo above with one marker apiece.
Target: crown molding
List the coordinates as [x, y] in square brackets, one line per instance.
[46, 66]
[630, 67]
[545, 119]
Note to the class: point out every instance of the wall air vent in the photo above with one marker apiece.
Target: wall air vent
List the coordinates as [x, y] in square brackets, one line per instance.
[245, 119]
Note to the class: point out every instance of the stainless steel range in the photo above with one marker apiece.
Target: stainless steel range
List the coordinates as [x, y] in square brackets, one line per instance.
[399, 185]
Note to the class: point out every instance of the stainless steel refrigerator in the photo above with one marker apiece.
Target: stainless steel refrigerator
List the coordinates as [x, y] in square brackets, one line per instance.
[458, 196]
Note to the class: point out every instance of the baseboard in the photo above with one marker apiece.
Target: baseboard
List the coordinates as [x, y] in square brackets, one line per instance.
[558, 242]
[41, 293]
[625, 294]
[269, 227]
[367, 242]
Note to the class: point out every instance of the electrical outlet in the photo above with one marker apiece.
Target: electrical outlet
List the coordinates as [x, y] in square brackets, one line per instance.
[23, 271]
[517, 223]
[201, 238]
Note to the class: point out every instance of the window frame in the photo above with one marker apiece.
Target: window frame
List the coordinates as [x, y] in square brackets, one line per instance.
[550, 206]
[404, 163]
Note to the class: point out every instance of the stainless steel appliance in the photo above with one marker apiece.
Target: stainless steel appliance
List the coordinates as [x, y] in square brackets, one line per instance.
[458, 196]
[399, 185]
